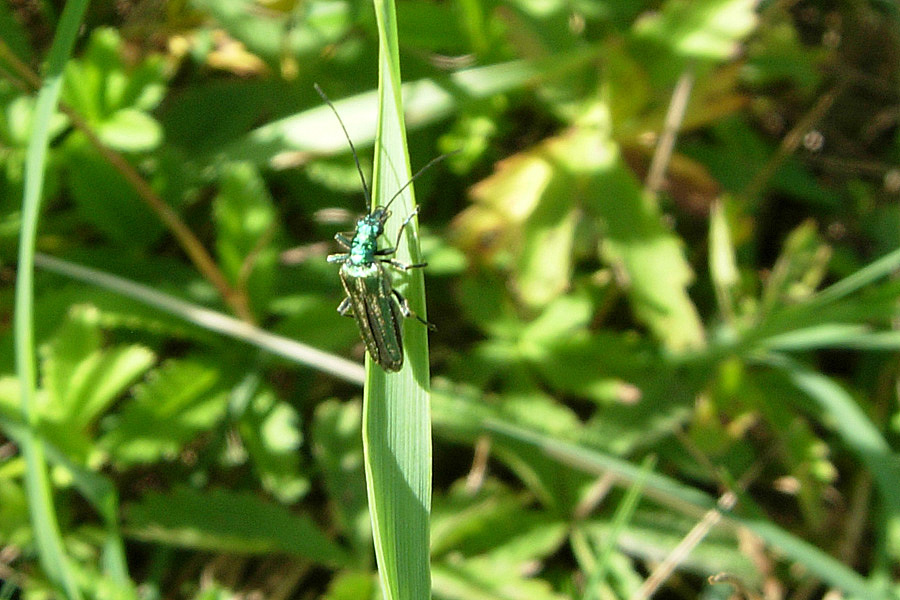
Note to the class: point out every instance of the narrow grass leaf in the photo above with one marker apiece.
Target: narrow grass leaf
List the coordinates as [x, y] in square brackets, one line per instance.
[40, 495]
[396, 415]
[882, 267]
[428, 101]
[209, 319]
[225, 521]
[623, 515]
[660, 488]
[840, 411]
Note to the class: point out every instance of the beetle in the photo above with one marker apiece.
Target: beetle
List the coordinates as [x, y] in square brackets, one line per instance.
[371, 297]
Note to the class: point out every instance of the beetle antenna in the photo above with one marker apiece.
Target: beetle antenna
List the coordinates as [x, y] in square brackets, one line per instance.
[352, 147]
[430, 164]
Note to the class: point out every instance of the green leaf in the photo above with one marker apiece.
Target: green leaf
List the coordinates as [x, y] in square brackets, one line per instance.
[114, 97]
[271, 35]
[778, 55]
[105, 199]
[523, 209]
[706, 29]
[42, 511]
[799, 269]
[20, 120]
[495, 523]
[14, 34]
[484, 579]
[839, 410]
[875, 270]
[652, 534]
[349, 585]
[223, 521]
[82, 379]
[623, 515]
[428, 101]
[722, 262]
[649, 258]
[396, 415]
[130, 130]
[270, 429]
[533, 203]
[181, 399]
[337, 448]
[245, 224]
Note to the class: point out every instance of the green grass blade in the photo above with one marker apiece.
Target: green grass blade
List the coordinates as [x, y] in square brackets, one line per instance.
[40, 495]
[396, 415]
[874, 271]
[664, 490]
[211, 320]
[840, 411]
[622, 516]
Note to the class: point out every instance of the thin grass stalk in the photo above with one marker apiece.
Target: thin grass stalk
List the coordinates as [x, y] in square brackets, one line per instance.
[40, 494]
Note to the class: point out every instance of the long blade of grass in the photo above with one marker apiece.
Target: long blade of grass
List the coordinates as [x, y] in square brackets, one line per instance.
[40, 495]
[862, 436]
[396, 414]
[622, 516]
[660, 488]
[210, 319]
[882, 267]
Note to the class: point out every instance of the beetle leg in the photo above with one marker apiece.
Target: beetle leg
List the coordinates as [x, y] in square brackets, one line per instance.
[343, 240]
[408, 312]
[345, 309]
[403, 226]
[403, 266]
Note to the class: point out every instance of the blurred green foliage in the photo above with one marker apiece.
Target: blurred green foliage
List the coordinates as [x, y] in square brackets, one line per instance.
[737, 323]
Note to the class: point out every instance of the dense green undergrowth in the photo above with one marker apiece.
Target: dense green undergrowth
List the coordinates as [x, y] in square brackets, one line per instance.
[662, 267]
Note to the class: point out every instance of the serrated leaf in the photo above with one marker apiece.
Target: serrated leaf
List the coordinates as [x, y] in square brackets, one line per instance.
[100, 379]
[525, 209]
[76, 339]
[324, 22]
[223, 521]
[578, 167]
[179, 401]
[270, 430]
[114, 97]
[648, 257]
[82, 379]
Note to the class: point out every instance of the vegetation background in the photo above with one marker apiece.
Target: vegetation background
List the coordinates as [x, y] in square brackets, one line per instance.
[661, 265]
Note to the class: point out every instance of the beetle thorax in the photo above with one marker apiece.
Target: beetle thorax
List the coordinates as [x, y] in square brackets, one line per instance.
[365, 239]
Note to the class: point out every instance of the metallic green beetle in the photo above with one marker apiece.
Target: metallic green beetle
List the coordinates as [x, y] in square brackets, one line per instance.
[371, 297]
